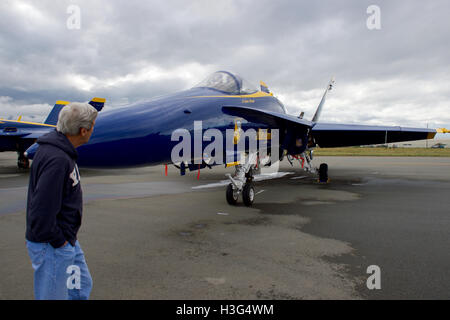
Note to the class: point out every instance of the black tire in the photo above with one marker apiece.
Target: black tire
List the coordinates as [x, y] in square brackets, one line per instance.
[232, 196]
[248, 194]
[23, 163]
[323, 173]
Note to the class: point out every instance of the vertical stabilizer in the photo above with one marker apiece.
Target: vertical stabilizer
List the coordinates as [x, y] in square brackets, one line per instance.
[98, 103]
[53, 115]
[322, 102]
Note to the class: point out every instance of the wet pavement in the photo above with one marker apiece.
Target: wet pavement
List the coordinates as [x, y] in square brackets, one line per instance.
[148, 236]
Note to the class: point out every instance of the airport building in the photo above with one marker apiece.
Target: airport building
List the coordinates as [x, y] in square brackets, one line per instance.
[432, 143]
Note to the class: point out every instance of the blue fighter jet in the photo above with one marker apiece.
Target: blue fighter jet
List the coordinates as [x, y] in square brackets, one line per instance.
[140, 134]
[20, 135]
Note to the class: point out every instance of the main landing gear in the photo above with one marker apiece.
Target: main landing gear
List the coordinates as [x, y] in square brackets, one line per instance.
[323, 173]
[23, 162]
[305, 160]
[242, 183]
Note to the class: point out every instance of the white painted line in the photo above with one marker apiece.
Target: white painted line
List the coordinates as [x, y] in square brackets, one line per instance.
[270, 176]
[9, 175]
[259, 177]
[299, 177]
[213, 185]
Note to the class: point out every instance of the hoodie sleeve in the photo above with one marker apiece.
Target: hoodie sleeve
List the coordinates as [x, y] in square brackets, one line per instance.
[47, 201]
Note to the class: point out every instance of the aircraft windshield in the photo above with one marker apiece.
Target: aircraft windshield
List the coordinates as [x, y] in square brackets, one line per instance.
[227, 82]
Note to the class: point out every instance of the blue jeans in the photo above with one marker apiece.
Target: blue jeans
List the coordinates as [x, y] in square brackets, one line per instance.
[61, 273]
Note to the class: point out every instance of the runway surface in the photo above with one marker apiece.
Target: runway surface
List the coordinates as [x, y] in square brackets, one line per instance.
[148, 236]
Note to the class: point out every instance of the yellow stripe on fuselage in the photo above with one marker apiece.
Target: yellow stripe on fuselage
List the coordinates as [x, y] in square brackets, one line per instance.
[258, 94]
[34, 123]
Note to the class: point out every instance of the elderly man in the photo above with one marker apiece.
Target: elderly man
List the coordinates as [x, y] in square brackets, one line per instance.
[54, 208]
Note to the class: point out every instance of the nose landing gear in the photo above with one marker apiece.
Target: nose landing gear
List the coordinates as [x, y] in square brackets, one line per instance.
[233, 192]
[232, 195]
[248, 194]
[242, 182]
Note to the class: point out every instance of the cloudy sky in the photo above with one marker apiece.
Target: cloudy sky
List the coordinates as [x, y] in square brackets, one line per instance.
[133, 50]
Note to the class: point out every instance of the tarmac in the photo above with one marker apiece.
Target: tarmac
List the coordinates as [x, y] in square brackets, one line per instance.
[150, 236]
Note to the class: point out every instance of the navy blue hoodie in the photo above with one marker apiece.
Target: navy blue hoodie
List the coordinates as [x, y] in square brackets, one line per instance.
[55, 200]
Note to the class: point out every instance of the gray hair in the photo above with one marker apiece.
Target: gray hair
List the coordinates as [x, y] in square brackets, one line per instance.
[75, 116]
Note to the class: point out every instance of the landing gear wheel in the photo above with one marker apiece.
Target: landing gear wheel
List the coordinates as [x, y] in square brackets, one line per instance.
[323, 173]
[248, 194]
[23, 163]
[232, 196]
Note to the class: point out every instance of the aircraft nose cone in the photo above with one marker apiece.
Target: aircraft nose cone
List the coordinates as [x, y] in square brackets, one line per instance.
[31, 151]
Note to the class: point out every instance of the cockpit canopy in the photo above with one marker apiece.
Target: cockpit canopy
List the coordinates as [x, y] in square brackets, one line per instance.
[227, 82]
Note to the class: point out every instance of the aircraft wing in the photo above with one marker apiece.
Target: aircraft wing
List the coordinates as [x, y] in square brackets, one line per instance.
[34, 134]
[13, 134]
[329, 135]
[20, 134]
[10, 140]
[270, 118]
[19, 129]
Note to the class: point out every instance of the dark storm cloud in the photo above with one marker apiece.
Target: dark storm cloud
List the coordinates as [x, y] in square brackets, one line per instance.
[132, 50]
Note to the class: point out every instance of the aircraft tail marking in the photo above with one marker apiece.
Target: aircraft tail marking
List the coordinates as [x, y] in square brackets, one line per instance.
[98, 103]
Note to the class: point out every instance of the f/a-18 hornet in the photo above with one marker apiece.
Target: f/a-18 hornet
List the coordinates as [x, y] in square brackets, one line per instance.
[141, 134]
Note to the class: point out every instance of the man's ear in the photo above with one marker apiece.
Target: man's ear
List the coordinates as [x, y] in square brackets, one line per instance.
[83, 131]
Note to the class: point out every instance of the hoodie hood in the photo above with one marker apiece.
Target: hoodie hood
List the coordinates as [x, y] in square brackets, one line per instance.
[60, 141]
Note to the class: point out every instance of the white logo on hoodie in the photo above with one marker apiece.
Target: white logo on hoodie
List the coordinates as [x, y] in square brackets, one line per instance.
[75, 176]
